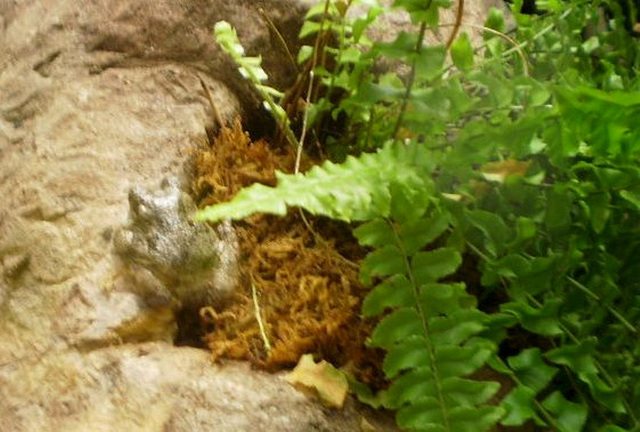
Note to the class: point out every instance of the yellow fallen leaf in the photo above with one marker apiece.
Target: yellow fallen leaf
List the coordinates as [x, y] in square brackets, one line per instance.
[500, 170]
[453, 197]
[329, 383]
[365, 426]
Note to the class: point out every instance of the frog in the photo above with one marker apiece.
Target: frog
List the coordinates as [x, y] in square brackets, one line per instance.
[173, 259]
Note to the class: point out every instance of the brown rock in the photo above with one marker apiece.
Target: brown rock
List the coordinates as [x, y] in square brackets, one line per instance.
[154, 386]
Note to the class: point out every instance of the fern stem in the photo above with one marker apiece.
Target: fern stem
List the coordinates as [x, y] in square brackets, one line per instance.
[477, 251]
[282, 122]
[372, 113]
[412, 76]
[608, 378]
[518, 48]
[538, 35]
[332, 82]
[280, 38]
[305, 121]
[456, 26]
[594, 296]
[319, 42]
[541, 409]
[425, 328]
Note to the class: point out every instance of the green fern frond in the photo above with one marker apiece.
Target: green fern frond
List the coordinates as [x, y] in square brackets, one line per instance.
[251, 69]
[358, 189]
[431, 333]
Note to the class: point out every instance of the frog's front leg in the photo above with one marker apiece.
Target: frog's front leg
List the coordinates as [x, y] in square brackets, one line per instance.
[226, 276]
[154, 292]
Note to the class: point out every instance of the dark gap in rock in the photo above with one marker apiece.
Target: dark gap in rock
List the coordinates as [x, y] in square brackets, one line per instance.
[191, 329]
[43, 66]
[259, 124]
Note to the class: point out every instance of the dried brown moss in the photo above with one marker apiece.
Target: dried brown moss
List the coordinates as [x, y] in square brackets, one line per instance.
[306, 279]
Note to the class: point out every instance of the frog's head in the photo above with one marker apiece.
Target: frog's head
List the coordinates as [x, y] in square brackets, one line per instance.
[158, 208]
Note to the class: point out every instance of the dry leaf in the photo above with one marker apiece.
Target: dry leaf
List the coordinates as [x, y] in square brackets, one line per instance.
[365, 426]
[453, 197]
[500, 170]
[329, 383]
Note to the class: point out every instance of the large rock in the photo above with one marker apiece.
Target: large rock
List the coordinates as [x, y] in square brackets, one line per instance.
[96, 97]
[99, 97]
[148, 387]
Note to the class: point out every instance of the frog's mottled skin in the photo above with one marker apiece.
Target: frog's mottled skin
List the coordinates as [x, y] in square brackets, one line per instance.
[173, 258]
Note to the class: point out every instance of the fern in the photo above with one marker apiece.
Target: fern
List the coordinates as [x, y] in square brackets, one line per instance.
[251, 69]
[358, 189]
[431, 334]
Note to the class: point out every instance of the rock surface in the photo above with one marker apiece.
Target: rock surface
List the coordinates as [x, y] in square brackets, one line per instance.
[140, 388]
[97, 97]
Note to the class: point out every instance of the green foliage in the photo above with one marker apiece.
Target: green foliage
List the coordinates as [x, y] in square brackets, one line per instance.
[431, 335]
[250, 68]
[371, 179]
[524, 153]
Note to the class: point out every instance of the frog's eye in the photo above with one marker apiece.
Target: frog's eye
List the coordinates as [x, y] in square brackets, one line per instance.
[143, 210]
[170, 183]
[140, 209]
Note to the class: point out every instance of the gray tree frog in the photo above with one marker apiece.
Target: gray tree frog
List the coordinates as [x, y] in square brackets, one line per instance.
[172, 258]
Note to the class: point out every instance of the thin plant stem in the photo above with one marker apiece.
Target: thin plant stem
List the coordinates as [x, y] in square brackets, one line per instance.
[421, 308]
[541, 33]
[217, 117]
[281, 40]
[512, 41]
[258, 314]
[411, 80]
[305, 121]
[594, 296]
[456, 26]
